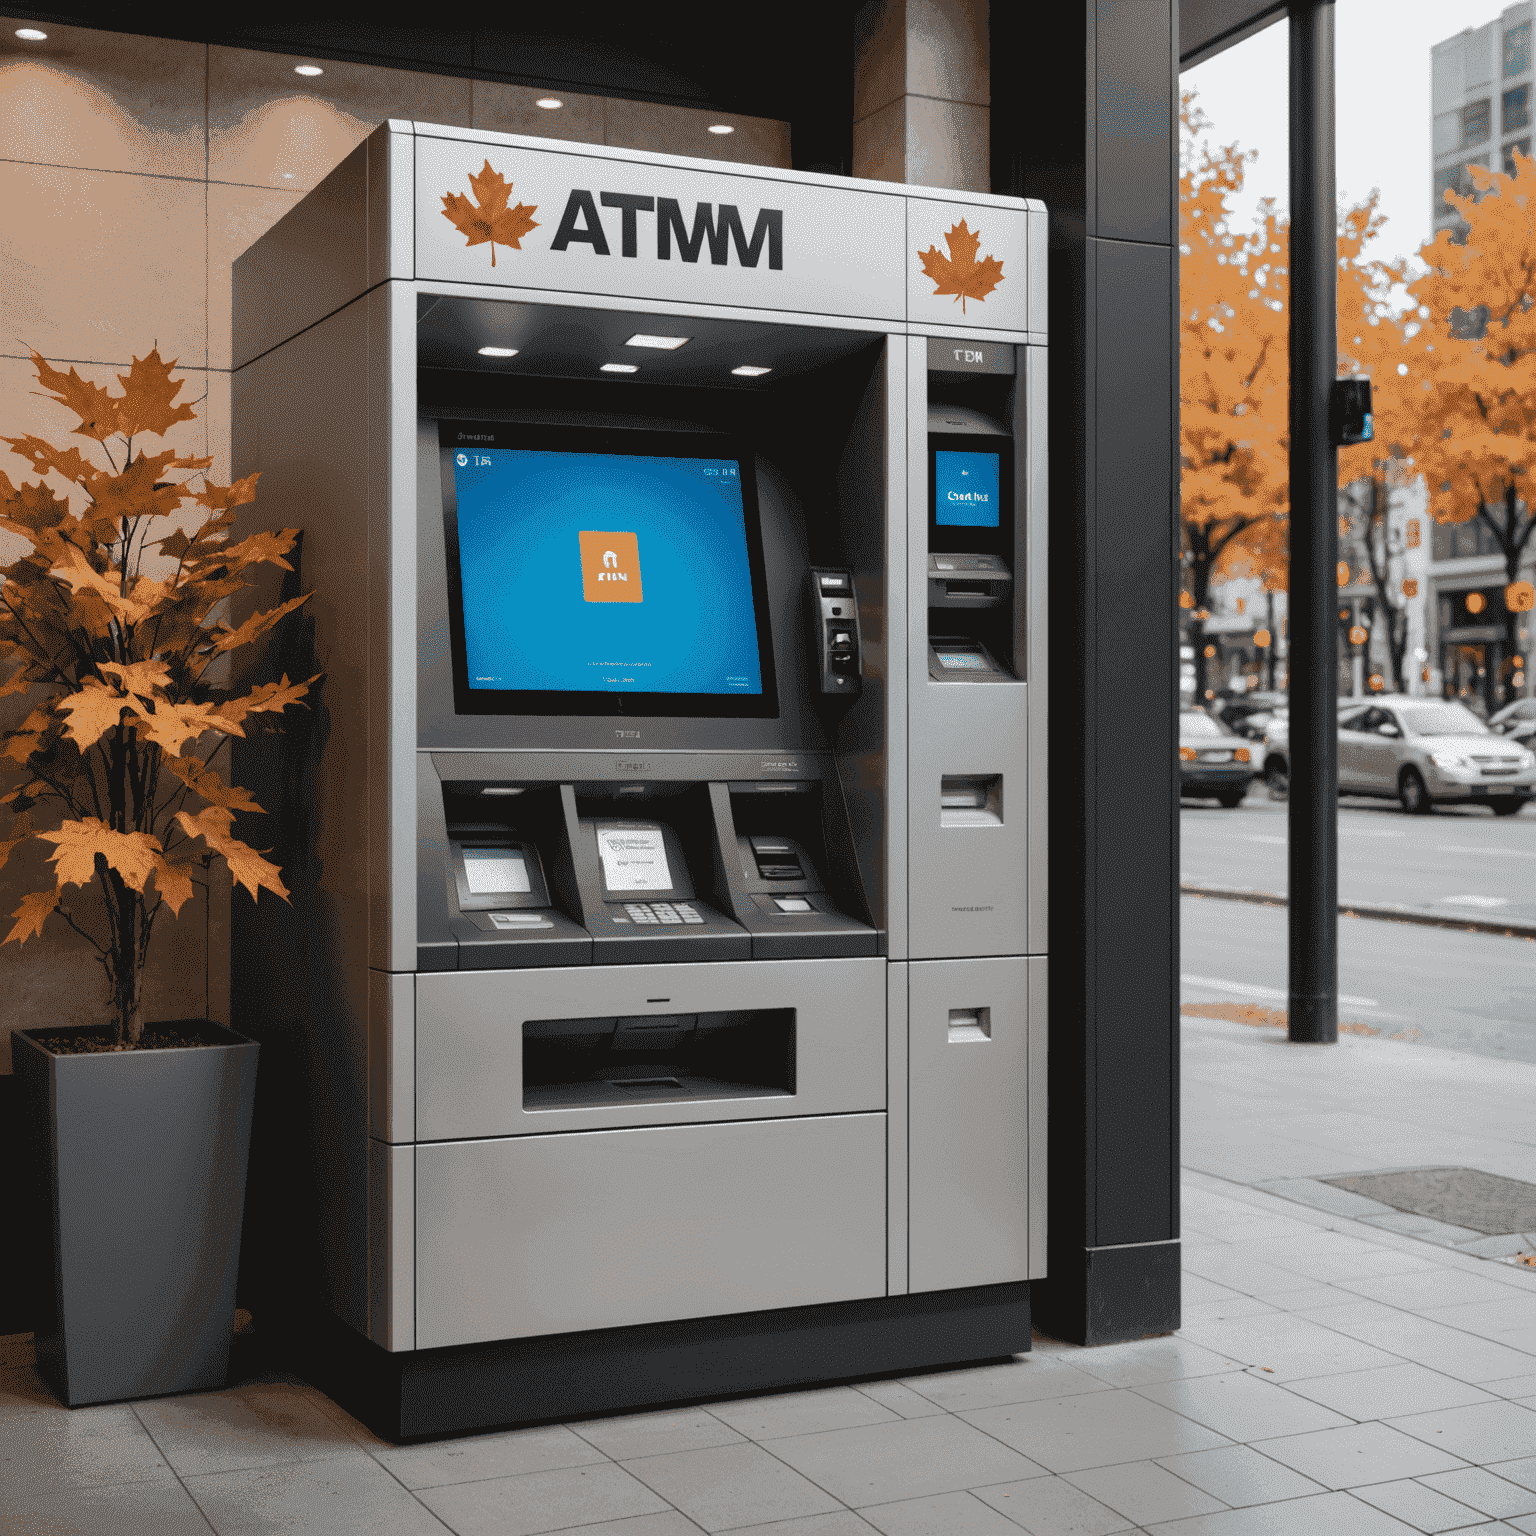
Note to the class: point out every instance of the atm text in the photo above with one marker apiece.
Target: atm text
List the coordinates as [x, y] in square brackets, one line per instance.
[718, 228]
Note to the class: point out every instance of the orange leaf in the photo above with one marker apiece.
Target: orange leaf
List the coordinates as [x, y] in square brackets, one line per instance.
[245, 864]
[131, 854]
[960, 273]
[31, 915]
[268, 698]
[147, 395]
[79, 575]
[172, 726]
[220, 498]
[138, 677]
[44, 456]
[173, 882]
[93, 711]
[21, 830]
[255, 626]
[96, 409]
[492, 220]
[267, 548]
[137, 491]
[206, 782]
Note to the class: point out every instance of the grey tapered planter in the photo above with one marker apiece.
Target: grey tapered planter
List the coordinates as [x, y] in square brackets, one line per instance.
[144, 1155]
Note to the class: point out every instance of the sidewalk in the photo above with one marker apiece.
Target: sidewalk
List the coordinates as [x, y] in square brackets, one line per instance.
[1335, 1374]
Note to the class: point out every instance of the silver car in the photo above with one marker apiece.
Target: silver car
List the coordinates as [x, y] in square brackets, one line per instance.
[1428, 752]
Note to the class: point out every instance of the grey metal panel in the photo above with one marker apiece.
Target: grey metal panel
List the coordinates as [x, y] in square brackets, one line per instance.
[1033, 401]
[899, 369]
[969, 1125]
[391, 202]
[309, 264]
[469, 1039]
[554, 1234]
[392, 1056]
[1039, 263]
[896, 1153]
[1004, 237]
[1039, 1061]
[1134, 57]
[391, 1246]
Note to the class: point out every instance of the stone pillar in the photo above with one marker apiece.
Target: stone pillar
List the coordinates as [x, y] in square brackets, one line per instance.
[922, 93]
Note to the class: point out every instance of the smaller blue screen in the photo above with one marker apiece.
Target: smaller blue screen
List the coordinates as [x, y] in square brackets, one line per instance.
[966, 489]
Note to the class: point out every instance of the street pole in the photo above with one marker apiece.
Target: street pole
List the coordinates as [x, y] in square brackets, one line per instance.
[1312, 811]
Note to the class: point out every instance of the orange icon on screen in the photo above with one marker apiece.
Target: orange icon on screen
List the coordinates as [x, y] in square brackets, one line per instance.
[610, 567]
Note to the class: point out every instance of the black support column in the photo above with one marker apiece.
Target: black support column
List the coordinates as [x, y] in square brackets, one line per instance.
[1085, 117]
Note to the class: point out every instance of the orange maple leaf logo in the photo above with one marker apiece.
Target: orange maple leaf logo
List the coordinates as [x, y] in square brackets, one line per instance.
[960, 273]
[489, 218]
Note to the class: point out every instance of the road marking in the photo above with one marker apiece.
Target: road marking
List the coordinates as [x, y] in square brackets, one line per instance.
[1498, 853]
[1249, 989]
[1476, 901]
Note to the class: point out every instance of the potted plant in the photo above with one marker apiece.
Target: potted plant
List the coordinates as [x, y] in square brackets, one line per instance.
[111, 627]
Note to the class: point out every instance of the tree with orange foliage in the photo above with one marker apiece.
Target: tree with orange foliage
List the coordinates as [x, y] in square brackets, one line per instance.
[1470, 400]
[122, 668]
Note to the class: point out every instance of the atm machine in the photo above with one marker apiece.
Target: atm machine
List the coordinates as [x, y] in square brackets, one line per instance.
[660, 1012]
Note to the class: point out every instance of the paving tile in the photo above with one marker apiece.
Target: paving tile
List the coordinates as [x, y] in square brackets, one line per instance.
[1527, 1524]
[159, 1504]
[1389, 1390]
[1481, 1433]
[1241, 1271]
[1068, 1434]
[1431, 1344]
[800, 1413]
[351, 1496]
[901, 1399]
[1489, 1319]
[77, 1448]
[1359, 1454]
[1240, 1476]
[882, 1463]
[1051, 1506]
[1326, 1197]
[1522, 1471]
[1292, 1347]
[1484, 1491]
[1422, 1288]
[473, 1457]
[654, 1434]
[535, 1502]
[1019, 1381]
[259, 1425]
[841, 1522]
[1312, 1298]
[1336, 1514]
[940, 1514]
[1151, 1360]
[1424, 1227]
[1423, 1508]
[731, 1485]
[1220, 1311]
[667, 1523]
[1144, 1492]
[1193, 1287]
[22, 1390]
[1242, 1407]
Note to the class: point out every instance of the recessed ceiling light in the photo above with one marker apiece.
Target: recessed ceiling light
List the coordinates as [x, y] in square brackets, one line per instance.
[751, 371]
[721, 128]
[620, 368]
[307, 69]
[30, 34]
[498, 351]
[665, 343]
[549, 103]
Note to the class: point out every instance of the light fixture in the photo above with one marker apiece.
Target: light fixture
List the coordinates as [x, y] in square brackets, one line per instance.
[30, 34]
[307, 69]
[665, 343]
[549, 103]
[498, 351]
[620, 368]
[721, 128]
[751, 371]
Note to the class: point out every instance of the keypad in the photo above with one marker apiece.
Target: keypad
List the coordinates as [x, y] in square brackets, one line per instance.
[665, 912]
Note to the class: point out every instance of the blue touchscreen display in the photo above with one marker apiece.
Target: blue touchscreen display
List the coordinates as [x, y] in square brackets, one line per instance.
[966, 490]
[605, 572]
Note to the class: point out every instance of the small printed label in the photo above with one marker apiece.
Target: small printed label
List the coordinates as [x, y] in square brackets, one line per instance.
[634, 859]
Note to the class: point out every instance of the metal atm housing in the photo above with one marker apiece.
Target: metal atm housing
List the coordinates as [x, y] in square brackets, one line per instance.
[623, 1053]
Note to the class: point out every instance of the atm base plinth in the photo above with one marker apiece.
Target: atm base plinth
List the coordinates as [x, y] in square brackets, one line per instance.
[473, 1387]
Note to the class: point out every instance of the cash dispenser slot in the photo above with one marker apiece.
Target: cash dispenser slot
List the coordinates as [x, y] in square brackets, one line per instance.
[665, 1058]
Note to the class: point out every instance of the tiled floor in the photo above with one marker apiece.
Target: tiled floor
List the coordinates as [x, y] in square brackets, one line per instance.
[1331, 1377]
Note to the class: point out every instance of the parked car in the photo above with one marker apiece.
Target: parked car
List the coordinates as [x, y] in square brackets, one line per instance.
[1248, 714]
[1428, 752]
[1517, 722]
[1274, 753]
[1213, 762]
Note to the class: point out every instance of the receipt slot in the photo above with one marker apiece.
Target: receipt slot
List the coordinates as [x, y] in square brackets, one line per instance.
[660, 1010]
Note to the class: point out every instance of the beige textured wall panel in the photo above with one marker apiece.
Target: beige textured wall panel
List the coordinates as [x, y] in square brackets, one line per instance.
[948, 51]
[238, 216]
[644, 125]
[880, 143]
[948, 145]
[515, 109]
[105, 101]
[101, 265]
[270, 127]
[879, 57]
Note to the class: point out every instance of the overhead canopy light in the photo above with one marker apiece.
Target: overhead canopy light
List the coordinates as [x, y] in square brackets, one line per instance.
[307, 69]
[620, 368]
[751, 371]
[549, 103]
[666, 343]
[498, 351]
[721, 128]
[30, 35]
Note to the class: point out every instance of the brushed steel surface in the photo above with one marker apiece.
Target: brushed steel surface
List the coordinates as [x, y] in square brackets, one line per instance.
[553, 1234]
[469, 1039]
[896, 1129]
[392, 1055]
[969, 1126]
[391, 1246]
[1033, 477]
[1039, 1062]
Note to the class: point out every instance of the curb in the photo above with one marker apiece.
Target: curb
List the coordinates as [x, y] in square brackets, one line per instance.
[1389, 914]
